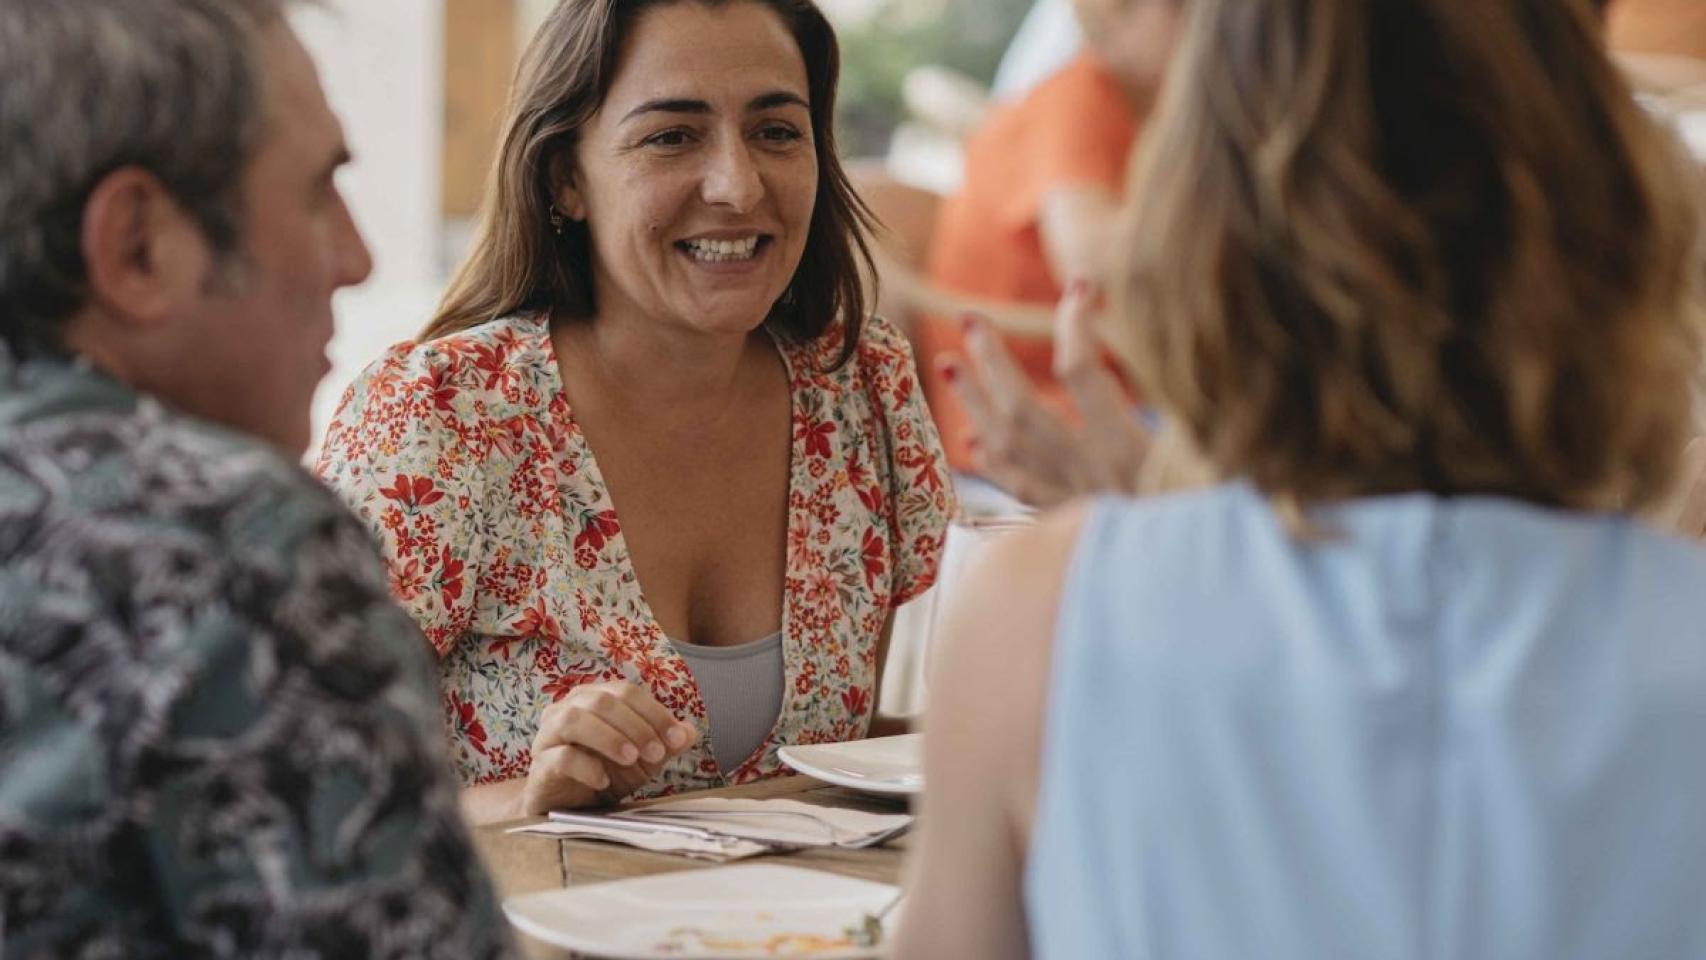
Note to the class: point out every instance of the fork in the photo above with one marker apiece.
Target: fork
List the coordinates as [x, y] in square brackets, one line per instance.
[869, 930]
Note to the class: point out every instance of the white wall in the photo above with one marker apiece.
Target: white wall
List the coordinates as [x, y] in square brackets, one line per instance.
[382, 64]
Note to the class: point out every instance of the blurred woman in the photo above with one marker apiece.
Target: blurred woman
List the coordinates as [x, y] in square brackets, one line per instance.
[650, 481]
[1416, 279]
[1043, 178]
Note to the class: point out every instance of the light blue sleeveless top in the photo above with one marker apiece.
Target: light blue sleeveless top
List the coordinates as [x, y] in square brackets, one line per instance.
[1466, 728]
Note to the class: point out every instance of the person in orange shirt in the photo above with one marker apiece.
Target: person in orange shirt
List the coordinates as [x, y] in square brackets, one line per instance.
[1043, 178]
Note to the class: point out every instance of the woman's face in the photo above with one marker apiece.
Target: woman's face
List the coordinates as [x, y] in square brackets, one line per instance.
[1134, 39]
[698, 175]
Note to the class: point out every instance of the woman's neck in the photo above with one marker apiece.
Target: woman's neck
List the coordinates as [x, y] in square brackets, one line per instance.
[651, 367]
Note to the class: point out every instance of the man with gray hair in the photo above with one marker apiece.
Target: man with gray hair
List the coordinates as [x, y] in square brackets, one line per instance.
[217, 735]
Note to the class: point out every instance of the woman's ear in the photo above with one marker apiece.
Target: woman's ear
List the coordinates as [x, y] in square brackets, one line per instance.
[564, 191]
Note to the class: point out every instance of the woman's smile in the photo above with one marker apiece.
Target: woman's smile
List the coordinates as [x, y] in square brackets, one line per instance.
[726, 255]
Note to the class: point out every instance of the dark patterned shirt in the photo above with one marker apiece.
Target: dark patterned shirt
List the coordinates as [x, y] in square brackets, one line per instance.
[217, 735]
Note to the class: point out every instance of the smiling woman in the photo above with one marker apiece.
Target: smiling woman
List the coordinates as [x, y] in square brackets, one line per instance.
[650, 481]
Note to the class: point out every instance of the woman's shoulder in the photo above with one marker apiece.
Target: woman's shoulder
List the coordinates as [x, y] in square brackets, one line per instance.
[432, 394]
[475, 358]
[881, 361]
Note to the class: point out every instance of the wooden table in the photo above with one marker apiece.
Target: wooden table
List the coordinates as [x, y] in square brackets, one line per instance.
[520, 863]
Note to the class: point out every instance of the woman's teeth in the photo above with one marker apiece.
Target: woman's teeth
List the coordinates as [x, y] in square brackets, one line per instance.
[722, 251]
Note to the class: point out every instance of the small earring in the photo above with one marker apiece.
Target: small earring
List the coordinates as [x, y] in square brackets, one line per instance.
[557, 220]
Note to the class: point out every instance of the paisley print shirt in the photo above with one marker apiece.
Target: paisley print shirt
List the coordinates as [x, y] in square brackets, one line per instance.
[463, 455]
[214, 724]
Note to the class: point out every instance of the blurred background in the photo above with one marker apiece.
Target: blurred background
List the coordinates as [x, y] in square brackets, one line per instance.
[421, 84]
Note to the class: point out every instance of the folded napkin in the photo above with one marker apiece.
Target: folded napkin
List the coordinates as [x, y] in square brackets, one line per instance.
[785, 822]
[699, 848]
[720, 829]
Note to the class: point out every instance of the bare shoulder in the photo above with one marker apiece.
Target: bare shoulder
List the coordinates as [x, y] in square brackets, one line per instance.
[997, 644]
[1010, 595]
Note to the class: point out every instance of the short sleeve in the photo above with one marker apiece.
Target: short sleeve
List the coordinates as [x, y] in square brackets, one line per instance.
[303, 805]
[921, 492]
[397, 455]
[1075, 130]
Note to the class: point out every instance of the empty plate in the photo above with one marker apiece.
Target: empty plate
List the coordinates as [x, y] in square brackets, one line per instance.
[886, 765]
[728, 913]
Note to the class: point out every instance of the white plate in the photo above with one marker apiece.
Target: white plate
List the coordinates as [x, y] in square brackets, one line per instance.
[726, 913]
[887, 765]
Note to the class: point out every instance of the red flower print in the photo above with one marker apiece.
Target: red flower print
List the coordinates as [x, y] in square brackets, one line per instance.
[407, 583]
[816, 435]
[596, 528]
[437, 389]
[585, 556]
[857, 474]
[903, 393]
[450, 578]
[872, 497]
[467, 724]
[655, 671]
[494, 363]
[589, 616]
[619, 645]
[914, 458]
[857, 699]
[536, 621]
[412, 492]
[560, 686]
[873, 552]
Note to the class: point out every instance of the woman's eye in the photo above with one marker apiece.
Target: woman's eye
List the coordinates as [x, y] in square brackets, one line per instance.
[668, 138]
[779, 133]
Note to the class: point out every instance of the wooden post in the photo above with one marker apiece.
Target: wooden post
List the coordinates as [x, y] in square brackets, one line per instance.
[479, 59]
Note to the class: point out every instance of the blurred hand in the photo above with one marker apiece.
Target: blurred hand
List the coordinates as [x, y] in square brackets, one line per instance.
[1685, 511]
[598, 745]
[1022, 444]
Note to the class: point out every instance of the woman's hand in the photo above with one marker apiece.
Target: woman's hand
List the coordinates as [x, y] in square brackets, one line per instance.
[599, 744]
[1025, 446]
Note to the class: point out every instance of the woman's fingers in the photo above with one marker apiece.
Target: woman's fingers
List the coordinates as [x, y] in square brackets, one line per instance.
[1076, 349]
[1078, 361]
[563, 777]
[1008, 391]
[620, 721]
[601, 742]
[1114, 440]
[622, 747]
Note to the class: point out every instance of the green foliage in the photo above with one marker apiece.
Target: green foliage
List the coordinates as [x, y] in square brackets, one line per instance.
[968, 36]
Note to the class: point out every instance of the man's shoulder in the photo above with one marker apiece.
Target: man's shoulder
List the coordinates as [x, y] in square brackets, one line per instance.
[136, 462]
[110, 503]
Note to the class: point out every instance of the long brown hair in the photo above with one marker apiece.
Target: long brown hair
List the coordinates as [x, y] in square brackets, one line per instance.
[520, 263]
[1413, 245]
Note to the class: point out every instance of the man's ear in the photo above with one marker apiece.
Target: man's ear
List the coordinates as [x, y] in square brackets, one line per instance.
[145, 258]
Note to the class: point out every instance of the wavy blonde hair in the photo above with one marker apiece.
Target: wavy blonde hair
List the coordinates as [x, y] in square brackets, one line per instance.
[1393, 245]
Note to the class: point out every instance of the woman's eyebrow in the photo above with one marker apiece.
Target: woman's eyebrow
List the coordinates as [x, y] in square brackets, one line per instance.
[774, 99]
[764, 101]
[668, 105]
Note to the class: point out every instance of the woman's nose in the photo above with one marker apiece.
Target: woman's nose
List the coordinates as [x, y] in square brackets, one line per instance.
[732, 179]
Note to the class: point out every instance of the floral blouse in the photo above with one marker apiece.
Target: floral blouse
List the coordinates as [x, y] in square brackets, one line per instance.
[463, 456]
